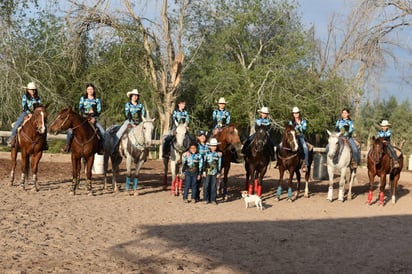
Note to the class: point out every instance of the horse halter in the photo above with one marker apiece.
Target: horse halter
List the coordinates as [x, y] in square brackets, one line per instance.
[64, 121]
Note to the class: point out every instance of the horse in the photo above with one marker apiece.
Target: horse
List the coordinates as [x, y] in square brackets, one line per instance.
[177, 148]
[339, 157]
[85, 144]
[230, 146]
[289, 159]
[133, 146]
[257, 160]
[380, 164]
[30, 141]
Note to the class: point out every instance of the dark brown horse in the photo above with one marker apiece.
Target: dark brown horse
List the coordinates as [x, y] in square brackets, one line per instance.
[380, 164]
[290, 159]
[230, 146]
[257, 160]
[85, 144]
[31, 139]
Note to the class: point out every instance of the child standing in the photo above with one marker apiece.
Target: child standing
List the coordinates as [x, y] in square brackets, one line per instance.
[213, 162]
[192, 166]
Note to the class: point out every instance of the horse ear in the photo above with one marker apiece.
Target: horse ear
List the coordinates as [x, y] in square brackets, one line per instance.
[328, 132]
[338, 134]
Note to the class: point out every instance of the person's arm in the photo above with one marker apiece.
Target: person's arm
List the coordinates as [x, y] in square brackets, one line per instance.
[24, 104]
[143, 111]
[227, 118]
[81, 105]
[98, 108]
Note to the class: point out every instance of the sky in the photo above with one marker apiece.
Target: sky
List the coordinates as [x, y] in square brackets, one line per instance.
[319, 12]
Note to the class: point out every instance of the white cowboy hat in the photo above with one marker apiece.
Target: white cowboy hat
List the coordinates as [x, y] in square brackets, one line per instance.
[295, 110]
[213, 142]
[31, 85]
[134, 91]
[385, 123]
[222, 101]
[264, 110]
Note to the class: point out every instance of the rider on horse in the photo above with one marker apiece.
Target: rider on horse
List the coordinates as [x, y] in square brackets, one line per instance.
[346, 127]
[221, 117]
[300, 124]
[264, 121]
[385, 133]
[90, 107]
[29, 101]
[179, 116]
[134, 111]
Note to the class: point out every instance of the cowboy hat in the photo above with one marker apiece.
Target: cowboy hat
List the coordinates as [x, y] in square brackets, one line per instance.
[31, 85]
[295, 110]
[264, 110]
[213, 142]
[133, 91]
[222, 101]
[385, 123]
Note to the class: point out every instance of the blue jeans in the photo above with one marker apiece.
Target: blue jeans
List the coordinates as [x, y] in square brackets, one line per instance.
[190, 182]
[392, 151]
[355, 150]
[302, 142]
[210, 189]
[18, 123]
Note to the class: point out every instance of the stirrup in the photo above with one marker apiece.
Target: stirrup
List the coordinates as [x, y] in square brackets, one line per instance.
[396, 164]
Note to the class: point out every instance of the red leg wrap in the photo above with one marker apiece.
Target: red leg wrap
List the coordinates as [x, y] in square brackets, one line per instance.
[370, 194]
[259, 190]
[256, 186]
[381, 197]
[250, 191]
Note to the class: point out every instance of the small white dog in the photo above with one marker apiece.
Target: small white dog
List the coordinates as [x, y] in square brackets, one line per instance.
[252, 198]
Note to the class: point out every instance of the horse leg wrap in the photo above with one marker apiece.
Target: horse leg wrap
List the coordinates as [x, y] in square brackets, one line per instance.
[290, 193]
[341, 194]
[127, 183]
[135, 181]
[330, 193]
[259, 190]
[370, 194]
[89, 184]
[22, 180]
[74, 184]
[381, 198]
[279, 191]
[250, 190]
[256, 185]
[173, 186]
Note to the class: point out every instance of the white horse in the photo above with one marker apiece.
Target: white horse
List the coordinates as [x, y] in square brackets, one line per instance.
[178, 147]
[339, 158]
[134, 146]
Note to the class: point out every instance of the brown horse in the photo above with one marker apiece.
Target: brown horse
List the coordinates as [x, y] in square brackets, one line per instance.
[31, 139]
[85, 144]
[290, 159]
[257, 160]
[380, 164]
[230, 146]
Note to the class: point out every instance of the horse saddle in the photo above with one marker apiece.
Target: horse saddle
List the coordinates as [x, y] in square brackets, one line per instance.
[112, 130]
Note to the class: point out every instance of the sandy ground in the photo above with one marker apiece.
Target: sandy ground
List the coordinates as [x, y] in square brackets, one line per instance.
[155, 232]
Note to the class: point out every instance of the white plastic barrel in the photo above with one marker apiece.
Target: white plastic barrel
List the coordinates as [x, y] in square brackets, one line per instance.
[98, 164]
[410, 162]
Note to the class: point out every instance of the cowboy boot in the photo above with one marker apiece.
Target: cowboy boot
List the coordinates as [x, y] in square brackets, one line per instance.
[11, 142]
[65, 148]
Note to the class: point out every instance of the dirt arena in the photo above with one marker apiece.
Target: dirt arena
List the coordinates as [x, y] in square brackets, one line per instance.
[155, 232]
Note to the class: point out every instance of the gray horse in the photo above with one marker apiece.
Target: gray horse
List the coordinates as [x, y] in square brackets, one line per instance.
[134, 146]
